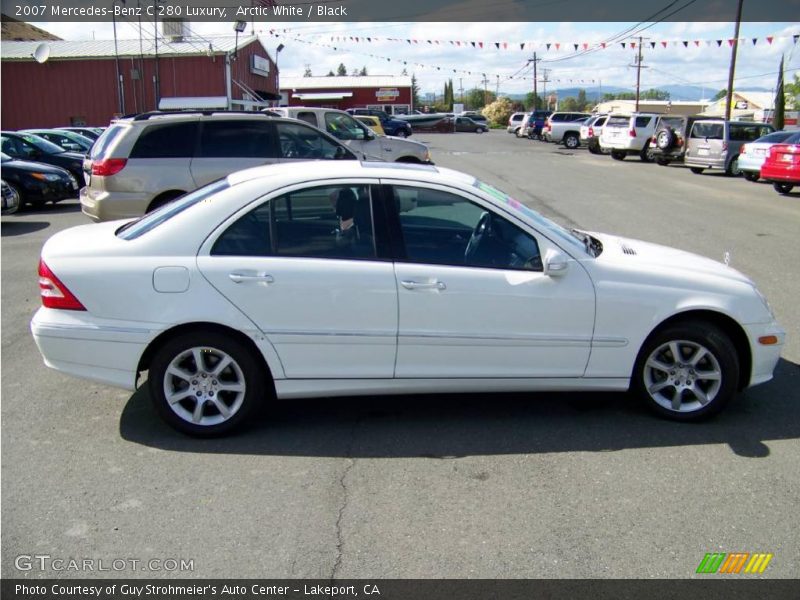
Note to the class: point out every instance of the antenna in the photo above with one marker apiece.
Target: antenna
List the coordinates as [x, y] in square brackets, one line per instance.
[42, 53]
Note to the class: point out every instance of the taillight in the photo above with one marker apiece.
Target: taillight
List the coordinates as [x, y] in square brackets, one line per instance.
[679, 143]
[54, 293]
[591, 131]
[743, 149]
[632, 133]
[791, 149]
[108, 166]
[724, 146]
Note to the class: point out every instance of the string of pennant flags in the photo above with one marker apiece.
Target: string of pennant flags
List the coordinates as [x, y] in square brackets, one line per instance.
[572, 46]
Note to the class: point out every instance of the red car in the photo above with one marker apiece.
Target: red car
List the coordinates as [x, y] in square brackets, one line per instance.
[782, 166]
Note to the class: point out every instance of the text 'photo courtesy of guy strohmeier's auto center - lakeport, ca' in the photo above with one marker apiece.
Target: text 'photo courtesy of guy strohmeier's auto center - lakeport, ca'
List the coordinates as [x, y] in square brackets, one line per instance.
[424, 300]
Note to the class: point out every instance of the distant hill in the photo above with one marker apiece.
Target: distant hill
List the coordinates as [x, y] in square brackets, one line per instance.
[676, 92]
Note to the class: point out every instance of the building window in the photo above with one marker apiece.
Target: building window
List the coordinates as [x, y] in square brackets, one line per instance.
[77, 121]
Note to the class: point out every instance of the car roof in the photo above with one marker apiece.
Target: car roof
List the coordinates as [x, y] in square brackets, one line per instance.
[288, 174]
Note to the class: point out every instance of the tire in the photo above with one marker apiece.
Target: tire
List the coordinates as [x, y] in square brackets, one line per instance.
[732, 170]
[646, 155]
[662, 162]
[37, 204]
[618, 155]
[783, 188]
[572, 141]
[516, 132]
[696, 170]
[212, 348]
[750, 175]
[678, 388]
[401, 133]
[665, 139]
[595, 149]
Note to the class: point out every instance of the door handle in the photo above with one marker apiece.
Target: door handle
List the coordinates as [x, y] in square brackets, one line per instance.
[417, 285]
[243, 277]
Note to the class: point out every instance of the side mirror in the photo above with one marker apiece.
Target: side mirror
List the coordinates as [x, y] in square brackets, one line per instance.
[369, 135]
[555, 263]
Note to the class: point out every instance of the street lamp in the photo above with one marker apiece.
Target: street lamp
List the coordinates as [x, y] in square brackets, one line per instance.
[239, 27]
[120, 90]
[277, 72]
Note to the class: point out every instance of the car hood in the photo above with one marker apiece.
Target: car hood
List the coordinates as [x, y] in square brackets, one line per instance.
[29, 166]
[655, 257]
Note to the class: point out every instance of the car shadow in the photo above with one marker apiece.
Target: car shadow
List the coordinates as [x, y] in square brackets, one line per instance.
[11, 227]
[451, 426]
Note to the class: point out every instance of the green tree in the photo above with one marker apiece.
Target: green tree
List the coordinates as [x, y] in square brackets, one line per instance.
[475, 99]
[415, 103]
[581, 100]
[720, 95]
[793, 90]
[568, 104]
[331, 74]
[655, 94]
[307, 72]
[780, 101]
[529, 103]
[341, 71]
[363, 72]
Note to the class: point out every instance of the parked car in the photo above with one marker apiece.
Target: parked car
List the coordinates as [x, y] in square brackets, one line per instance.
[397, 267]
[36, 183]
[534, 124]
[90, 132]
[668, 143]
[716, 144]
[475, 116]
[515, 122]
[591, 131]
[625, 135]
[753, 154]
[392, 126]
[782, 166]
[373, 123]
[146, 161]
[565, 127]
[68, 140]
[468, 125]
[10, 198]
[26, 146]
[357, 136]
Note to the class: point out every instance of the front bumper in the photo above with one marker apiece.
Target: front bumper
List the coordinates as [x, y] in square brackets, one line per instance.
[765, 357]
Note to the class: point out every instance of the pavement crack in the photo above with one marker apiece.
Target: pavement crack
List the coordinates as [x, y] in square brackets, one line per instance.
[337, 563]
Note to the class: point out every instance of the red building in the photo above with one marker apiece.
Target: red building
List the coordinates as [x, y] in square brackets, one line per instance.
[390, 93]
[76, 85]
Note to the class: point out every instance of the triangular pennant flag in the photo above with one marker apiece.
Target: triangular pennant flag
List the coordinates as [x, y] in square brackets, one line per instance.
[576, 47]
[754, 41]
[558, 45]
[370, 39]
[505, 45]
[585, 45]
[769, 39]
[430, 42]
[697, 43]
[795, 37]
[458, 44]
[480, 44]
[664, 44]
[522, 46]
[685, 44]
[409, 41]
[497, 45]
[633, 44]
[548, 46]
[603, 44]
[473, 44]
[652, 44]
[719, 43]
[437, 42]
[623, 44]
[731, 42]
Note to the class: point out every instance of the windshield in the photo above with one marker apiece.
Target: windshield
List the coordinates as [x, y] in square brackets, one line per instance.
[545, 224]
[42, 144]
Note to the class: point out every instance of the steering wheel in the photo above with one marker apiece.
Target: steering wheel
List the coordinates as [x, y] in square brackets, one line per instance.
[482, 231]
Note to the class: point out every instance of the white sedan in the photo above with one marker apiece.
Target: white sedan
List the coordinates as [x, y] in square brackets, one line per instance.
[340, 278]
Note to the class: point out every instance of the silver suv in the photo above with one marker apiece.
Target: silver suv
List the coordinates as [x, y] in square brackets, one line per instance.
[143, 162]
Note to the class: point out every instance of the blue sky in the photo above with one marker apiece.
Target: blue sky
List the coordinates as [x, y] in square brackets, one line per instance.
[704, 66]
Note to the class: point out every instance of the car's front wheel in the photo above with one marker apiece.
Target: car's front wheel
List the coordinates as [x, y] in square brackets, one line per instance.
[750, 175]
[688, 371]
[783, 188]
[572, 141]
[618, 155]
[696, 170]
[205, 383]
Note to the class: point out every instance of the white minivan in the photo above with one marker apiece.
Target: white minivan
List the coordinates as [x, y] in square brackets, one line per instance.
[357, 136]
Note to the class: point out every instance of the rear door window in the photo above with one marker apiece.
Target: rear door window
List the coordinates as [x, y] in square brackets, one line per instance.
[171, 140]
[102, 146]
[643, 121]
[711, 131]
[238, 139]
[618, 122]
[297, 141]
[343, 126]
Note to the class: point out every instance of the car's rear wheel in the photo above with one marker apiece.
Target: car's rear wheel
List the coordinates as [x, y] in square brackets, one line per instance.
[783, 188]
[617, 155]
[204, 383]
[732, 170]
[401, 133]
[647, 155]
[750, 175]
[696, 170]
[38, 203]
[572, 141]
[688, 371]
[663, 162]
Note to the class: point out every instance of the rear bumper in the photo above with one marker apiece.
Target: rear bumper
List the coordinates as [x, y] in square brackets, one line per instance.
[765, 358]
[773, 173]
[751, 163]
[109, 206]
[77, 344]
[705, 163]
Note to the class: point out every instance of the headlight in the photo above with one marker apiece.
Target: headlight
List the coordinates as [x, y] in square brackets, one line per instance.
[764, 300]
[46, 176]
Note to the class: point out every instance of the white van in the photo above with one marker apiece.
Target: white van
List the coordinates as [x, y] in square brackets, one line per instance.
[357, 136]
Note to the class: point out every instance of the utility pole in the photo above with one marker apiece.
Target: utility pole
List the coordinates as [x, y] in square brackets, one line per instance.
[461, 89]
[545, 79]
[497, 87]
[638, 66]
[732, 69]
[534, 60]
[485, 90]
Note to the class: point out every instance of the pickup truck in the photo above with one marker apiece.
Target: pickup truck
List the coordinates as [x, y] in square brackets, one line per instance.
[565, 127]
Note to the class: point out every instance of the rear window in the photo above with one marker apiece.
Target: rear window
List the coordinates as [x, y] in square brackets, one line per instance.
[643, 121]
[137, 228]
[775, 138]
[711, 131]
[674, 122]
[599, 121]
[237, 139]
[105, 141]
[618, 122]
[173, 140]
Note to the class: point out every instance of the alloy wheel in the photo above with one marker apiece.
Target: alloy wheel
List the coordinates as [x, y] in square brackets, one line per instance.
[682, 376]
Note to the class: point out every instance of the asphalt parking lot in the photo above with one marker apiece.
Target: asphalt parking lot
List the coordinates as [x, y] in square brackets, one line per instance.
[507, 486]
